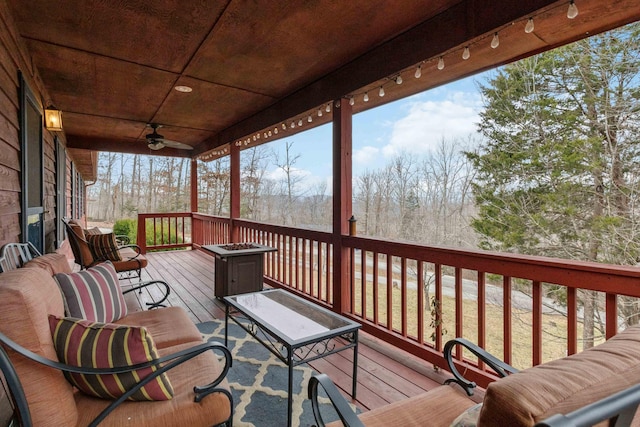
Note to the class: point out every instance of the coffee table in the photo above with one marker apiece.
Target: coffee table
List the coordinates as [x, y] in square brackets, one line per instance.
[295, 330]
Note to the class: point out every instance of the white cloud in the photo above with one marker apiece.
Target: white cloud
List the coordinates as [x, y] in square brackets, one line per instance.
[365, 155]
[427, 122]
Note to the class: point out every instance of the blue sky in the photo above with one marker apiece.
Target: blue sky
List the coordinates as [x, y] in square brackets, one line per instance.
[413, 125]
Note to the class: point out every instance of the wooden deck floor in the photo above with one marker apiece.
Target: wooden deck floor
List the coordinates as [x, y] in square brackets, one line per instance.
[385, 374]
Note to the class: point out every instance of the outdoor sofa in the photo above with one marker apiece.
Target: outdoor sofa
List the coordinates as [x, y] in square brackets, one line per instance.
[588, 387]
[182, 372]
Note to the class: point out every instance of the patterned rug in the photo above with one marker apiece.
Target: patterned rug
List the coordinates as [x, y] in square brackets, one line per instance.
[258, 382]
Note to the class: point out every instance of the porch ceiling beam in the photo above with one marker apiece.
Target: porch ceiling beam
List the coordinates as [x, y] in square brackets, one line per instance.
[118, 146]
[451, 28]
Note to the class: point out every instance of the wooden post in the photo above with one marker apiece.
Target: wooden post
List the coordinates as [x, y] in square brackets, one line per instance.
[342, 133]
[194, 185]
[235, 191]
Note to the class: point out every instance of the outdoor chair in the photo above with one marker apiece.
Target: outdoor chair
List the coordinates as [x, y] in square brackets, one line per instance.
[583, 389]
[15, 255]
[91, 249]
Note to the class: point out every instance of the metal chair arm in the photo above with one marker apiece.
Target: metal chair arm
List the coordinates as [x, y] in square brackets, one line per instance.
[163, 364]
[346, 414]
[140, 285]
[501, 368]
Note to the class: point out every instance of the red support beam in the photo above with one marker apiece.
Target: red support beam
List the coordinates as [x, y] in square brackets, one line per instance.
[235, 191]
[194, 185]
[342, 133]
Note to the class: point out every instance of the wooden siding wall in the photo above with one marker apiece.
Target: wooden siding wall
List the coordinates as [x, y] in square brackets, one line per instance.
[14, 58]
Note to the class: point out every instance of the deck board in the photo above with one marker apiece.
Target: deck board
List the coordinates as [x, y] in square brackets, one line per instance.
[381, 379]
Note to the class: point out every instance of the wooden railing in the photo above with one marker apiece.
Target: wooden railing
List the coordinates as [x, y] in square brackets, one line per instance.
[164, 231]
[525, 309]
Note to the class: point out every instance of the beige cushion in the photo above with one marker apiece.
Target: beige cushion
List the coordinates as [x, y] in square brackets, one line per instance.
[52, 263]
[435, 408]
[564, 385]
[169, 326]
[28, 296]
[201, 370]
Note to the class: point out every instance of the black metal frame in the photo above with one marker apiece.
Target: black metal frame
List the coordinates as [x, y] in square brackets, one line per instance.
[350, 419]
[288, 352]
[163, 364]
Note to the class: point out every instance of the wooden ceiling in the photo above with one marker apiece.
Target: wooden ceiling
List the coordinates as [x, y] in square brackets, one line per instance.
[112, 66]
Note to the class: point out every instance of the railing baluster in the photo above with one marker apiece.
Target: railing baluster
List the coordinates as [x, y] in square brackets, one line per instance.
[376, 304]
[507, 330]
[389, 292]
[536, 290]
[612, 315]
[403, 295]
[482, 314]
[420, 289]
[572, 321]
[438, 315]
[459, 314]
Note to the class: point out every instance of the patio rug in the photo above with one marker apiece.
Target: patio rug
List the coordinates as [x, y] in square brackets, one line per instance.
[258, 382]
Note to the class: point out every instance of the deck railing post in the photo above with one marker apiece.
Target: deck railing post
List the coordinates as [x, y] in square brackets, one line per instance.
[235, 192]
[142, 234]
[194, 199]
[342, 163]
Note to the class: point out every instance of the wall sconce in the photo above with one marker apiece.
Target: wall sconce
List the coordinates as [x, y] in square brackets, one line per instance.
[53, 119]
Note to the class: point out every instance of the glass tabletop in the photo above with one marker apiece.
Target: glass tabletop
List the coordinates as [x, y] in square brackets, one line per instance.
[294, 318]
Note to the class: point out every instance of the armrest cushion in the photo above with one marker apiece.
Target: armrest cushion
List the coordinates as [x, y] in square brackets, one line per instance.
[564, 385]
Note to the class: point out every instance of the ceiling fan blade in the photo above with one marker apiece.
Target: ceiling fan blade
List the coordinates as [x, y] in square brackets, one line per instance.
[176, 144]
[156, 145]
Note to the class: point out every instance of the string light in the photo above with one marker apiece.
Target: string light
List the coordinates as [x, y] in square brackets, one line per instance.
[572, 12]
[495, 41]
[529, 27]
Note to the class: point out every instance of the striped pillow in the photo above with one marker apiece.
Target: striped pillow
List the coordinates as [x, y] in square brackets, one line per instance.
[105, 345]
[93, 294]
[104, 247]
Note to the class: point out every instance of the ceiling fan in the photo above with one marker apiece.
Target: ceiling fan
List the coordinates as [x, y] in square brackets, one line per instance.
[155, 141]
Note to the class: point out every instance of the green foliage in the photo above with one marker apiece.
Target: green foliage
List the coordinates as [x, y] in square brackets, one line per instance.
[126, 227]
[559, 171]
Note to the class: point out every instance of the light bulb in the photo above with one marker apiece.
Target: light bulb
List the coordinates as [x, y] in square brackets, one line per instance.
[284, 127]
[328, 109]
[275, 131]
[254, 137]
[300, 122]
[309, 119]
[258, 136]
[399, 80]
[381, 92]
[269, 133]
[293, 125]
[366, 97]
[418, 73]
[529, 27]
[264, 135]
[319, 112]
[441, 63]
[572, 12]
[495, 41]
[352, 100]
[466, 53]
